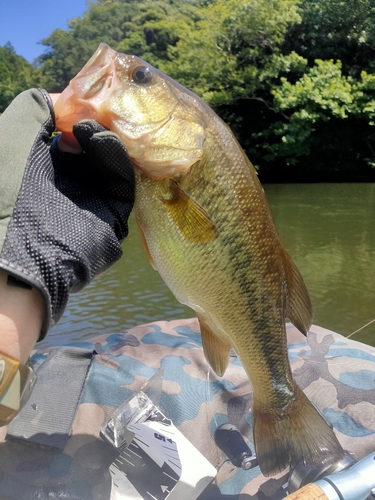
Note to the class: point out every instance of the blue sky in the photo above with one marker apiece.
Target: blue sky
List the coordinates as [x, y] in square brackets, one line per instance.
[24, 23]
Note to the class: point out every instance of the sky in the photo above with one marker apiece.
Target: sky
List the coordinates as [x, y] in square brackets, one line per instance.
[24, 23]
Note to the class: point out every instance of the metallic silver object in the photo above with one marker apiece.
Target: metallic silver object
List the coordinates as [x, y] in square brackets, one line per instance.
[355, 483]
[301, 474]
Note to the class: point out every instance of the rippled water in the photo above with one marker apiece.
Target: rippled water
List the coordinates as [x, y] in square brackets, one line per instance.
[329, 229]
[130, 293]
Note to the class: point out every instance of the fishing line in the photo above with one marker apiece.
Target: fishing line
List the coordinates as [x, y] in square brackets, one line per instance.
[210, 414]
[208, 398]
[359, 329]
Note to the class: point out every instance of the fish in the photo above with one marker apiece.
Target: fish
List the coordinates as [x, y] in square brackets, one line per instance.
[207, 229]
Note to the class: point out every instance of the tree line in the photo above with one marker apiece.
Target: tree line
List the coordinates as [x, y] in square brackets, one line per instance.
[294, 79]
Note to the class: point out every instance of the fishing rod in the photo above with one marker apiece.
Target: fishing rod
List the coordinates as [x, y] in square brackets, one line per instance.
[354, 483]
[346, 479]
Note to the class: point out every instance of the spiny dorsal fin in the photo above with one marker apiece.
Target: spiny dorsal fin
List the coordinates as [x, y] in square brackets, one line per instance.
[299, 309]
[215, 350]
[191, 219]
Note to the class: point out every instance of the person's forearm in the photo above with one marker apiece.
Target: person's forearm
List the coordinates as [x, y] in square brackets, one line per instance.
[21, 317]
[21, 310]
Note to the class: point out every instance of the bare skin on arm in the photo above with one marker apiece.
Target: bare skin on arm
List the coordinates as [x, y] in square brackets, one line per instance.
[21, 317]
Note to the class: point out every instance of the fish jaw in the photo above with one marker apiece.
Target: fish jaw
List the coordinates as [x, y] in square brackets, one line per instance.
[153, 119]
[87, 92]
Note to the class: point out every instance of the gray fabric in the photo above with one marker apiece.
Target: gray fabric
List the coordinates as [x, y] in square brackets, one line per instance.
[48, 416]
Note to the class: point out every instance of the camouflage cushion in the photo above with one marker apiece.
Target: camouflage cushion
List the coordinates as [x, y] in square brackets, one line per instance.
[337, 375]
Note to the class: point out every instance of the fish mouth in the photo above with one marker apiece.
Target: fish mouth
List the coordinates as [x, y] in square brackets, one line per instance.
[83, 98]
[89, 96]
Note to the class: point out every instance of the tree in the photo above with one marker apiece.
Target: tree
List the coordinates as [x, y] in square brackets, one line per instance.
[293, 79]
[69, 50]
[156, 28]
[16, 74]
[226, 55]
[327, 112]
[336, 29]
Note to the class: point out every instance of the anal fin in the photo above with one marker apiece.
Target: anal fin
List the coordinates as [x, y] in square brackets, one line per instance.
[215, 350]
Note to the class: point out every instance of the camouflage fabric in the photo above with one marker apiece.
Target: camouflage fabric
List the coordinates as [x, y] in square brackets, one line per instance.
[337, 375]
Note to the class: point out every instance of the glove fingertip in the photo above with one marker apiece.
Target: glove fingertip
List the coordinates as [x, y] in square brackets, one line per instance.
[109, 143]
[84, 130]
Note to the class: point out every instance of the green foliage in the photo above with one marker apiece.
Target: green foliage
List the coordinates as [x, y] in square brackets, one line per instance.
[294, 79]
[69, 50]
[321, 95]
[227, 53]
[146, 28]
[155, 28]
[366, 97]
[336, 29]
[16, 74]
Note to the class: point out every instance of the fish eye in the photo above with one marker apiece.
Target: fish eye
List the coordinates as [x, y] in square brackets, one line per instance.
[142, 75]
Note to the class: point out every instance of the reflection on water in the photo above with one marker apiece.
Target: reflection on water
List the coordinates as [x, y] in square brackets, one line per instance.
[128, 294]
[327, 228]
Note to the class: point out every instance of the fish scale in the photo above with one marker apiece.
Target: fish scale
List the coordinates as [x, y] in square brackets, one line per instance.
[208, 230]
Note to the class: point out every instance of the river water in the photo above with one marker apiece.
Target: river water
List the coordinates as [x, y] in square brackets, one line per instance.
[328, 229]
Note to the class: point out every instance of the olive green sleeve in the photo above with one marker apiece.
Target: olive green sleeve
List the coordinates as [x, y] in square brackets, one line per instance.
[19, 126]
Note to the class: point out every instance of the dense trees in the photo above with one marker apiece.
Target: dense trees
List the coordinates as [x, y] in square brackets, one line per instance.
[295, 80]
[16, 74]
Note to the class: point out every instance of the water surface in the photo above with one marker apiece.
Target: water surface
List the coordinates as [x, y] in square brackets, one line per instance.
[328, 229]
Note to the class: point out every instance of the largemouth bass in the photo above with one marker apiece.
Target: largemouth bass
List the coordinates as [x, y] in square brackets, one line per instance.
[207, 229]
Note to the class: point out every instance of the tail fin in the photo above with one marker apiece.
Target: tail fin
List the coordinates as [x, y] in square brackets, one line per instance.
[300, 433]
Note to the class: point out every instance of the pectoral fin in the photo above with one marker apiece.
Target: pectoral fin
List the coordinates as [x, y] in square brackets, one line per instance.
[191, 219]
[215, 350]
[299, 310]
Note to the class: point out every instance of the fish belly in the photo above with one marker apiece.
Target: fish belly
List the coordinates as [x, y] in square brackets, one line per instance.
[228, 281]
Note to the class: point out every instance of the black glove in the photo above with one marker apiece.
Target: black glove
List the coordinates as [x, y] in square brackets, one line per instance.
[62, 216]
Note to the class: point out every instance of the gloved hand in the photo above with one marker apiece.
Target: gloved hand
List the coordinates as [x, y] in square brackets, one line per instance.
[62, 216]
